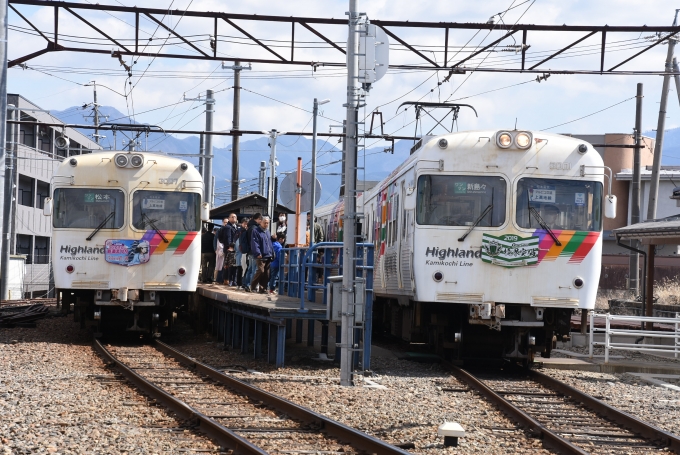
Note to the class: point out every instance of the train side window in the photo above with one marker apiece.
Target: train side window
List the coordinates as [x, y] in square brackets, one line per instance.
[87, 208]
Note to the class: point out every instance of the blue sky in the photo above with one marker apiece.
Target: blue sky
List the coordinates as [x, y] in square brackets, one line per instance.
[159, 82]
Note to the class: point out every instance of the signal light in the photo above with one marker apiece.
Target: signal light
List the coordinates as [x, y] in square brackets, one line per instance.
[438, 276]
[182, 271]
[70, 269]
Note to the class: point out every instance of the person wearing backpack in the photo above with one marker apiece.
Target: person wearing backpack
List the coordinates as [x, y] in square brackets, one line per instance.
[245, 243]
[262, 250]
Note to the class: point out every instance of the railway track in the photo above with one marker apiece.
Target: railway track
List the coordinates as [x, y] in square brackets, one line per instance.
[236, 415]
[567, 420]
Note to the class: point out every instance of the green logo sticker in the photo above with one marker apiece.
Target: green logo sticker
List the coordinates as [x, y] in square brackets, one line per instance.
[509, 250]
[460, 188]
[89, 197]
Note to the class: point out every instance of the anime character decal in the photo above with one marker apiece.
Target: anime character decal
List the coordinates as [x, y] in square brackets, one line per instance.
[127, 252]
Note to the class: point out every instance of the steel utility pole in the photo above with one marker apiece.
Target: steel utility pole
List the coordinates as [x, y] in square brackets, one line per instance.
[261, 177]
[271, 205]
[349, 218]
[634, 262]
[236, 124]
[207, 153]
[661, 125]
[4, 172]
[313, 188]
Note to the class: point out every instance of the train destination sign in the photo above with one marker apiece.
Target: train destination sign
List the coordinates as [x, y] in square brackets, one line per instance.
[509, 250]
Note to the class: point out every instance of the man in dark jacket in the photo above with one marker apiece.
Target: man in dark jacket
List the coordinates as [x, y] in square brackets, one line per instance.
[207, 255]
[263, 251]
[228, 236]
[252, 265]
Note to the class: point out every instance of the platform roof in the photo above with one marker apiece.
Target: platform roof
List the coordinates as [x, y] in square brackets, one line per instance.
[246, 205]
[663, 231]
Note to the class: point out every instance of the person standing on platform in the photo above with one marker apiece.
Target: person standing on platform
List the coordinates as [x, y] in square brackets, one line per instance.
[240, 257]
[220, 270]
[228, 237]
[282, 225]
[262, 250]
[277, 245]
[219, 253]
[207, 255]
[246, 241]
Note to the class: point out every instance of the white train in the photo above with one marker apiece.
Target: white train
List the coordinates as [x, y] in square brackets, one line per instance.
[486, 241]
[126, 237]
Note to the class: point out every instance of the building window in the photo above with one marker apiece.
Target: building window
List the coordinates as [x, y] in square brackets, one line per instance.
[27, 132]
[42, 192]
[24, 247]
[41, 250]
[26, 190]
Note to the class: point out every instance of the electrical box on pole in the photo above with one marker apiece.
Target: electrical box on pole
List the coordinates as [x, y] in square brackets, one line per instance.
[374, 49]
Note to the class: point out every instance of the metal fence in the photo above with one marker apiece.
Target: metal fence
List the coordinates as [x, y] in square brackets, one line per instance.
[636, 333]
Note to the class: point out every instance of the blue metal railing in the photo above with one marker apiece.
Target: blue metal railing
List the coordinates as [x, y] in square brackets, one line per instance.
[300, 260]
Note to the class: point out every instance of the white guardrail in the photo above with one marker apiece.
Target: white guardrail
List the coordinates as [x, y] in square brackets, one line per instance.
[634, 333]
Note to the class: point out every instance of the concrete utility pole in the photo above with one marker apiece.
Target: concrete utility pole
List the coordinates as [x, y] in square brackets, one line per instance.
[207, 153]
[313, 188]
[236, 124]
[95, 106]
[634, 262]
[7, 202]
[4, 172]
[676, 77]
[271, 206]
[661, 125]
[201, 151]
[349, 218]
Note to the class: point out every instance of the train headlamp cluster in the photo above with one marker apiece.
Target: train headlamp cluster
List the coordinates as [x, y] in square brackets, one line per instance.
[128, 160]
[514, 139]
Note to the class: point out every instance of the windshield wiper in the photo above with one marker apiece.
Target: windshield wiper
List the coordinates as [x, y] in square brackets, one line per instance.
[101, 225]
[544, 225]
[153, 226]
[477, 221]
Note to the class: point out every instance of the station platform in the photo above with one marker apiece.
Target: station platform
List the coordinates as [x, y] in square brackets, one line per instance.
[275, 306]
[570, 360]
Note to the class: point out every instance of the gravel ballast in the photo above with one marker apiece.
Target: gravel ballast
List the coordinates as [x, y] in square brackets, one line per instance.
[57, 396]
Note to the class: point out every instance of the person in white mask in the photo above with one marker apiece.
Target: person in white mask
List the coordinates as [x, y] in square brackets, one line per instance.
[282, 226]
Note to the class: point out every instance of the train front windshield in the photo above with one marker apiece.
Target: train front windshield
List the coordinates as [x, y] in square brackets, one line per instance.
[460, 200]
[88, 208]
[561, 204]
[166, 210]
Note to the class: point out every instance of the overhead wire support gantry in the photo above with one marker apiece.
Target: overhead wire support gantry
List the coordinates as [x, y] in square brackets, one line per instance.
[284, 52]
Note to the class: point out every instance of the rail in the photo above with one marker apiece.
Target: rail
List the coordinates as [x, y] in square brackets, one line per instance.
[638, 334]
[228, 437]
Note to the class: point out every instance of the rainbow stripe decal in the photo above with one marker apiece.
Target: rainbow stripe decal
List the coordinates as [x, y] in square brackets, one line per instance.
[575, 244]
[178, 241]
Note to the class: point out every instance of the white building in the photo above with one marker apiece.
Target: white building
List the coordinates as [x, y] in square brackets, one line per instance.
[669, 178]
[36, 158]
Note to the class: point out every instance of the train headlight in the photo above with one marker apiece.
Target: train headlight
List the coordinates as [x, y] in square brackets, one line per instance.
[523, 140]
[137, 160]
[438, 276]
[182, 271]
[70, 269]
[121, 160]
[504, 140]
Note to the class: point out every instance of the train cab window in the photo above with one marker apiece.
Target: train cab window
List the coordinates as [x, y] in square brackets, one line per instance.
[166, 210]
[459, 200]
[561, 204]
[88, 208]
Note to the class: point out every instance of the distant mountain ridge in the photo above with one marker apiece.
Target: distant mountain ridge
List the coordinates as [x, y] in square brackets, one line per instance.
[252, 152]
[378, 164]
